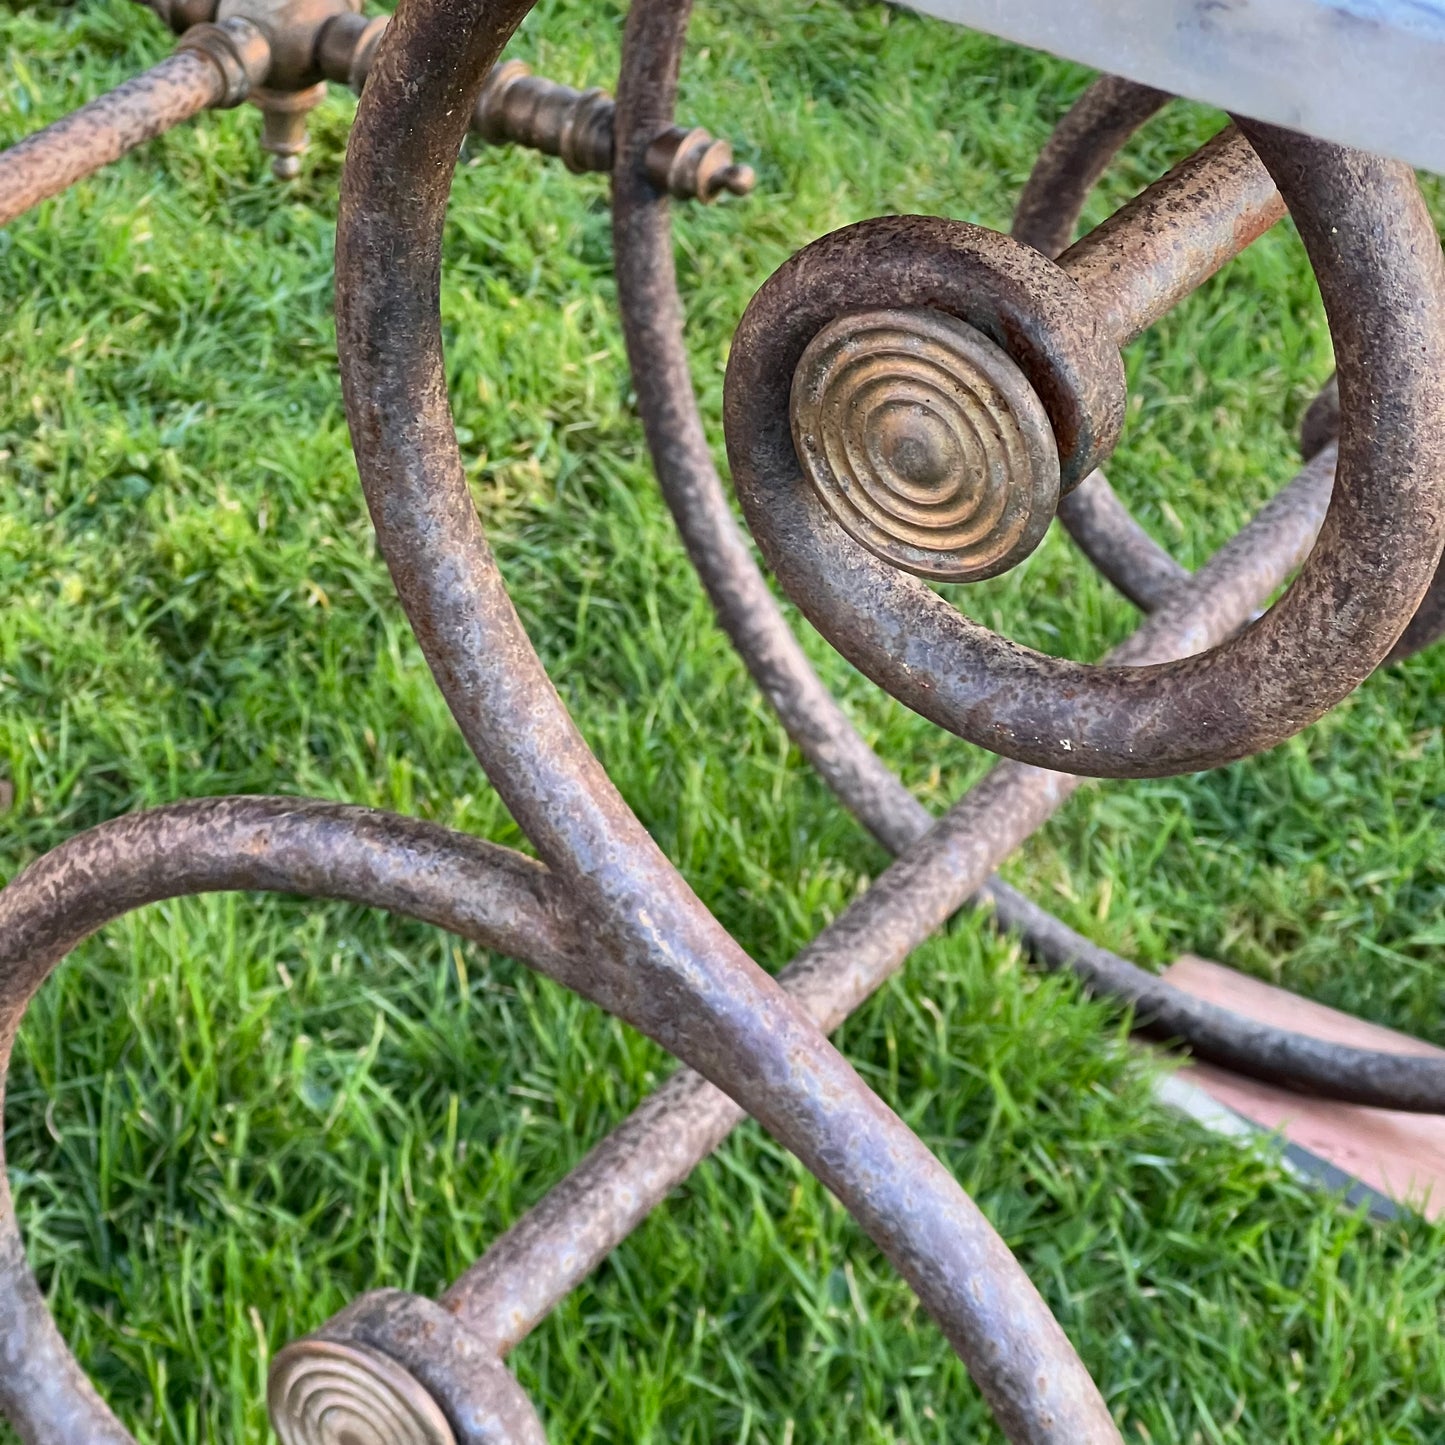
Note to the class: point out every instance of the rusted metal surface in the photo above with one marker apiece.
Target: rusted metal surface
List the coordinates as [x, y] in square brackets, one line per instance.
[1023, 303]
[280, 54]
[652, 324]
[294, 30]
[1427, 626]
[1122, 550]
[1321, 422]
[503, 901]
[395, 1369]
[1035, 347]
[498, 898]
[548, 1252]
[1384, 291]
[285, 134]
[182, 14]
[347, 46]
[519, 108]
[79, 144]
[652, 321]
[1134, 269]
[1165, 243]
[275, 53]
[1092, 132]
[685, 982]
[691, 165]
[310, 42]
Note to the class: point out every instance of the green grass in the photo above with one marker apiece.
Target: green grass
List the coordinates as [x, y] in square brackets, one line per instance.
[229, 1116]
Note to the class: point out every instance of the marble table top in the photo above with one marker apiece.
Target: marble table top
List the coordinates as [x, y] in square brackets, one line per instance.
[1369, 73]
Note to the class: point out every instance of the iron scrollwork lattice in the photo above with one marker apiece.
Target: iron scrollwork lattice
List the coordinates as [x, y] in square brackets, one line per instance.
[1029, 328]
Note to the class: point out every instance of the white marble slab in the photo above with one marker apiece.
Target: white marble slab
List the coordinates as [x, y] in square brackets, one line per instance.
[1369, 73]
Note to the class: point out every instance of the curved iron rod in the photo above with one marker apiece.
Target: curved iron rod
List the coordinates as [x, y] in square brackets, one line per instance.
[548, 1252]
[1074, 158]
[508, 903]
[653, 328]
[492, 895]
[691, 987]
[1382, 275]
[1320, 426]
[323, 850]
[1122, 551]
[552, 1248]
[1427, 626]
[1077, 154]
[430, 873]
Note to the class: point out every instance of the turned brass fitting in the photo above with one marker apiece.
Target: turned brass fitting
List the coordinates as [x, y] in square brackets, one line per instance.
[315, 41]
[310, 42]
[519, 108]
[925, 441]
[347, 46]
[294, 28]
[238, 50]
[295, 84]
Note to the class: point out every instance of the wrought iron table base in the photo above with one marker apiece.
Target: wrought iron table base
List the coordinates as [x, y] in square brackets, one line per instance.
[862, 372]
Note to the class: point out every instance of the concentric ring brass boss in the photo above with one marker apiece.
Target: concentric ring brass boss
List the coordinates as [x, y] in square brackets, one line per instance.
[323, 1392]
[925, 441]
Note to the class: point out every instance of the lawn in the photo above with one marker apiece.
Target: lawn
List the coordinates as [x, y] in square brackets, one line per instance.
[229, 1116]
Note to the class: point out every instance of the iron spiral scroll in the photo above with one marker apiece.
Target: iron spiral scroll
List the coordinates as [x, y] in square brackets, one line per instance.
[970, 386]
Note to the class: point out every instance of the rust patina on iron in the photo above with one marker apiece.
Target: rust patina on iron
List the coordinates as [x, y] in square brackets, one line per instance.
[1078, 153]
[280, 55]
[682, 978]
[1152, 253]
[605, 913]
[216, 66]
[501, 900]
[1375, 556]
[747, 611]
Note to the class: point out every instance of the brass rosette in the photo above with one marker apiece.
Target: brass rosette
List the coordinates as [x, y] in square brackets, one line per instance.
[926, 442]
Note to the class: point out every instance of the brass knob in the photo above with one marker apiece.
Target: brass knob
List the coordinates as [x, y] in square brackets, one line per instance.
[323, 1392]
[926, 442]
